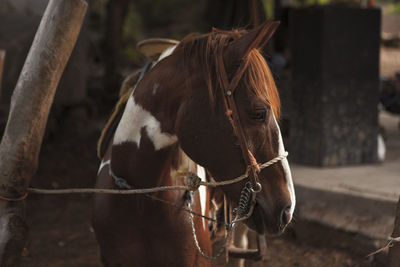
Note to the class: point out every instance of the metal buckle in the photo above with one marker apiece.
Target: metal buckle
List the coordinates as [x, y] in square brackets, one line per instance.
[259, 188]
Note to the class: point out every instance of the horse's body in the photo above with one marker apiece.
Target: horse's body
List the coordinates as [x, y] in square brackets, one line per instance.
[171, 111]
[139, 231]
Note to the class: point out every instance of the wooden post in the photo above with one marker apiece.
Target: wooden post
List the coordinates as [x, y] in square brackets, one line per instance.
[30, 105]
[394, 252]
[2, 59]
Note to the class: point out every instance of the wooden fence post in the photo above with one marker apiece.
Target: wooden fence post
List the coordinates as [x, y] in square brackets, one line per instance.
[30, 106]
[394, 252]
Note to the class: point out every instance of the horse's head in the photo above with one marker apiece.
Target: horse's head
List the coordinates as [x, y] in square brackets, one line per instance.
[191, 105]
[206, 134]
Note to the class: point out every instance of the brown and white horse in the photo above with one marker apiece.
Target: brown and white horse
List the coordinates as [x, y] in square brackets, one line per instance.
[177, 109]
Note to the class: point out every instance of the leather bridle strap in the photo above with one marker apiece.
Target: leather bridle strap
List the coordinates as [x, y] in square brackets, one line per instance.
[228, 88]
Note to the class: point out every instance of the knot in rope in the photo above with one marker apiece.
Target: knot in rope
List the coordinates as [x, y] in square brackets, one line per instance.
[193, 181]
[253, 162]
[247, 173]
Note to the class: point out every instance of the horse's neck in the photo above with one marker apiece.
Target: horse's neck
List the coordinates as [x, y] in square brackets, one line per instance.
[144, 146]
[141, 153]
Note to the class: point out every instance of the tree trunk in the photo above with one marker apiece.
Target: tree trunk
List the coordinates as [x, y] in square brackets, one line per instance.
[394, 252]
[30, 105]
[2, 59]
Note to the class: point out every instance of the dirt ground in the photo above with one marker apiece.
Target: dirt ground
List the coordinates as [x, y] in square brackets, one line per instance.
[60, 232]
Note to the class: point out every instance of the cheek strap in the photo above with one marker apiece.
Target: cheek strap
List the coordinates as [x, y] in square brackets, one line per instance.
[231, 111]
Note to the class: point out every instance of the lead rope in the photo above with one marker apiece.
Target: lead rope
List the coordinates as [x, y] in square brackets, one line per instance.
[242, 212]
[193, 183]
[230, 227]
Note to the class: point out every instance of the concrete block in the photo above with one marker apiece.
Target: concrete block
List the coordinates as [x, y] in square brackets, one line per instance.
[335, 83]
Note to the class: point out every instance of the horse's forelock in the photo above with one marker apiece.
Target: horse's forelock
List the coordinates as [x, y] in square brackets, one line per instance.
[259, 79]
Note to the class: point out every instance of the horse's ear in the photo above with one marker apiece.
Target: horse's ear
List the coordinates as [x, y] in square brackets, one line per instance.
[254, 39]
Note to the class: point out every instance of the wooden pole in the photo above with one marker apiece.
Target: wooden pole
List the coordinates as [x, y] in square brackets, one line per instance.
[30, 106]
[2, 59]
[394, 252]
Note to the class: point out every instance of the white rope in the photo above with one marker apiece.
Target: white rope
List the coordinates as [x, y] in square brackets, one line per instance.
[192, 184]
[390, 243]
[244, 176]
[199, 249]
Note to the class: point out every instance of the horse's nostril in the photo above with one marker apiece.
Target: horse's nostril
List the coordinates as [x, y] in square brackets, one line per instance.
[285, 216]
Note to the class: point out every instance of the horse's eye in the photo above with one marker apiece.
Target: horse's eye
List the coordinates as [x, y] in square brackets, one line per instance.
[259, 115]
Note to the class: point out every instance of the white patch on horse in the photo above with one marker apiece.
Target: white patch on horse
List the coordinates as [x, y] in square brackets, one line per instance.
[202, 193]
[102, 165]
[133, 120]
[286, 169]
[155, 87]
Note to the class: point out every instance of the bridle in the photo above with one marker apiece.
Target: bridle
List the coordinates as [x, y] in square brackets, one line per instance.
[228, 88]
[248, 194]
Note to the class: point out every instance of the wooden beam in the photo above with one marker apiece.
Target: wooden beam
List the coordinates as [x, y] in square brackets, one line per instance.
[30, 106]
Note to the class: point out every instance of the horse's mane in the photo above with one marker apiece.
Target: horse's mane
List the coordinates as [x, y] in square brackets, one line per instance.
[205, 48]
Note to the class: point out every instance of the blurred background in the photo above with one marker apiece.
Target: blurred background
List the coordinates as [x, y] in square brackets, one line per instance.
[337, 68]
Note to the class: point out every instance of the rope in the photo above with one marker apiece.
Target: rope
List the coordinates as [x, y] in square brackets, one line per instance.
[180, 208]
[14, 199]
[390, 243]
[199, 249]
[244, 176]
[106, 191]
[193, 184]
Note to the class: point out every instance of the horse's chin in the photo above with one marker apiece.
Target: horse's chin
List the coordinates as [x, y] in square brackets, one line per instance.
[258, 222]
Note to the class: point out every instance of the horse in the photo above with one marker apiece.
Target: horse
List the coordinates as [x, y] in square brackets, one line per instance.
[181, 114]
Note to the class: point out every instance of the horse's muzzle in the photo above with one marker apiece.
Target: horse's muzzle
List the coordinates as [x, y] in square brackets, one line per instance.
[271, 223]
